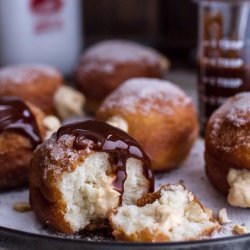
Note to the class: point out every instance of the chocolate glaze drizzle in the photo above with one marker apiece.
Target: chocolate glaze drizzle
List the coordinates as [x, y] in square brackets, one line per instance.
[16, 116]
[102, 137]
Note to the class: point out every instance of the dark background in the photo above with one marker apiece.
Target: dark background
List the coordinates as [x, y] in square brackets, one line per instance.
[168, 25]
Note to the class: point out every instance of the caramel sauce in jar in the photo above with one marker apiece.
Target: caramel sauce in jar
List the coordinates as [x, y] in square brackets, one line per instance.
[223, 54]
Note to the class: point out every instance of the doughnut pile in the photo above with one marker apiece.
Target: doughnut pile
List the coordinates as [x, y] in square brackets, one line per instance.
[84, 171]
[158, 114]
[104, 66]
[98, 173]
[227, 154]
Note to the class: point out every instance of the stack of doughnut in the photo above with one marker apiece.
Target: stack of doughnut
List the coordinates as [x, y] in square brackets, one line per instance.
[104, 66]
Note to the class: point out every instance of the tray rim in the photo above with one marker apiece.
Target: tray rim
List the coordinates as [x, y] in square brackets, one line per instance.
[205, 242]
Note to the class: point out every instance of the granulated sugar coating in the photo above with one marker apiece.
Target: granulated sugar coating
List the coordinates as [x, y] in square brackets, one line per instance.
[105, 56]
[23, 73]
[121, 51]
[149, 92]
[229, 123]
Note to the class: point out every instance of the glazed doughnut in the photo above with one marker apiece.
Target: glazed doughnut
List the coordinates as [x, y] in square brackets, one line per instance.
[21, 130]
[171, 214]
[36, 83]
[104, 66]
[227, 152]
[82, 172]
[159, 115]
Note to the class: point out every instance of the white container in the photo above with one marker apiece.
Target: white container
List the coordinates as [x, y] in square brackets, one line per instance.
[45, 31]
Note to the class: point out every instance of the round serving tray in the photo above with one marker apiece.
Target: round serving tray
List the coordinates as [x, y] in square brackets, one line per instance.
[23, 231]
[14, 239]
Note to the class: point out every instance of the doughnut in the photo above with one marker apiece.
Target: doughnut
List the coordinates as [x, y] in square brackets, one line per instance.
[104, 66]
[82, 172]
[171, 214]
[36, 83]
[21, 130]
[227, 149]
[159, 115]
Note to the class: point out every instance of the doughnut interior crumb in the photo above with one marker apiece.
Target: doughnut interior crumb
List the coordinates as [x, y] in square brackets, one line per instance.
[175, 215]
[88, 191]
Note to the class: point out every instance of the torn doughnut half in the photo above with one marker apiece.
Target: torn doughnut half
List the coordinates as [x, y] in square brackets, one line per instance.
[82, 172]
[171, 214]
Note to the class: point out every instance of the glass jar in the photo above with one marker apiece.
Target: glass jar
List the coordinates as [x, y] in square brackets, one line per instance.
[223, 53]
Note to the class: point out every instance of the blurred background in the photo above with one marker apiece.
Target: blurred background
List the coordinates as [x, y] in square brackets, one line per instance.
[206, 43]
[38, 29]
[163, 24]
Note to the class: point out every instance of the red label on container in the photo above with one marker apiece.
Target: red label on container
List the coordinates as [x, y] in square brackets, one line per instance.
[46, 6]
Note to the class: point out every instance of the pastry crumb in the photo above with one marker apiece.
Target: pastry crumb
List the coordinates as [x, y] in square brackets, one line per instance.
[223, 217]
[21, 207]
[238, 229]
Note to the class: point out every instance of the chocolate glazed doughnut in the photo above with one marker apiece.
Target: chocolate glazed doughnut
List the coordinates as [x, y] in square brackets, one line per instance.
[98, 165]
[20, 132]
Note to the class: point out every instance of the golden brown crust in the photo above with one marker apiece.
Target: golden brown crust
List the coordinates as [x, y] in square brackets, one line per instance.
[51, 159]
[147, 236]
[227, 140]
[35, 84]
[96, 82]
[15, 154]
[166, 138]
[141, 236]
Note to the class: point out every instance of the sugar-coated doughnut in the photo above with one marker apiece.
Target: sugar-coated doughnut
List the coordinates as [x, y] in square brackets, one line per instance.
[227, 152]
[158, 114]
[36, 83]
[104, 66]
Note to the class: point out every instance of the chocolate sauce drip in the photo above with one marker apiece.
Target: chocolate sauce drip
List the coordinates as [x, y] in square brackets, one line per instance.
[102, 137]
[16, 116]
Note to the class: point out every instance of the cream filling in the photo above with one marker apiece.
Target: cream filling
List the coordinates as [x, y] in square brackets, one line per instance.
[118, 122]
[89, 193]
[175, 214]
[239, 193]
[69, 102]
[51, 124]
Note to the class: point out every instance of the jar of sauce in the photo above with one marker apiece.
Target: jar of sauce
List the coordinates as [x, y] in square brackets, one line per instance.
[223, 53]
